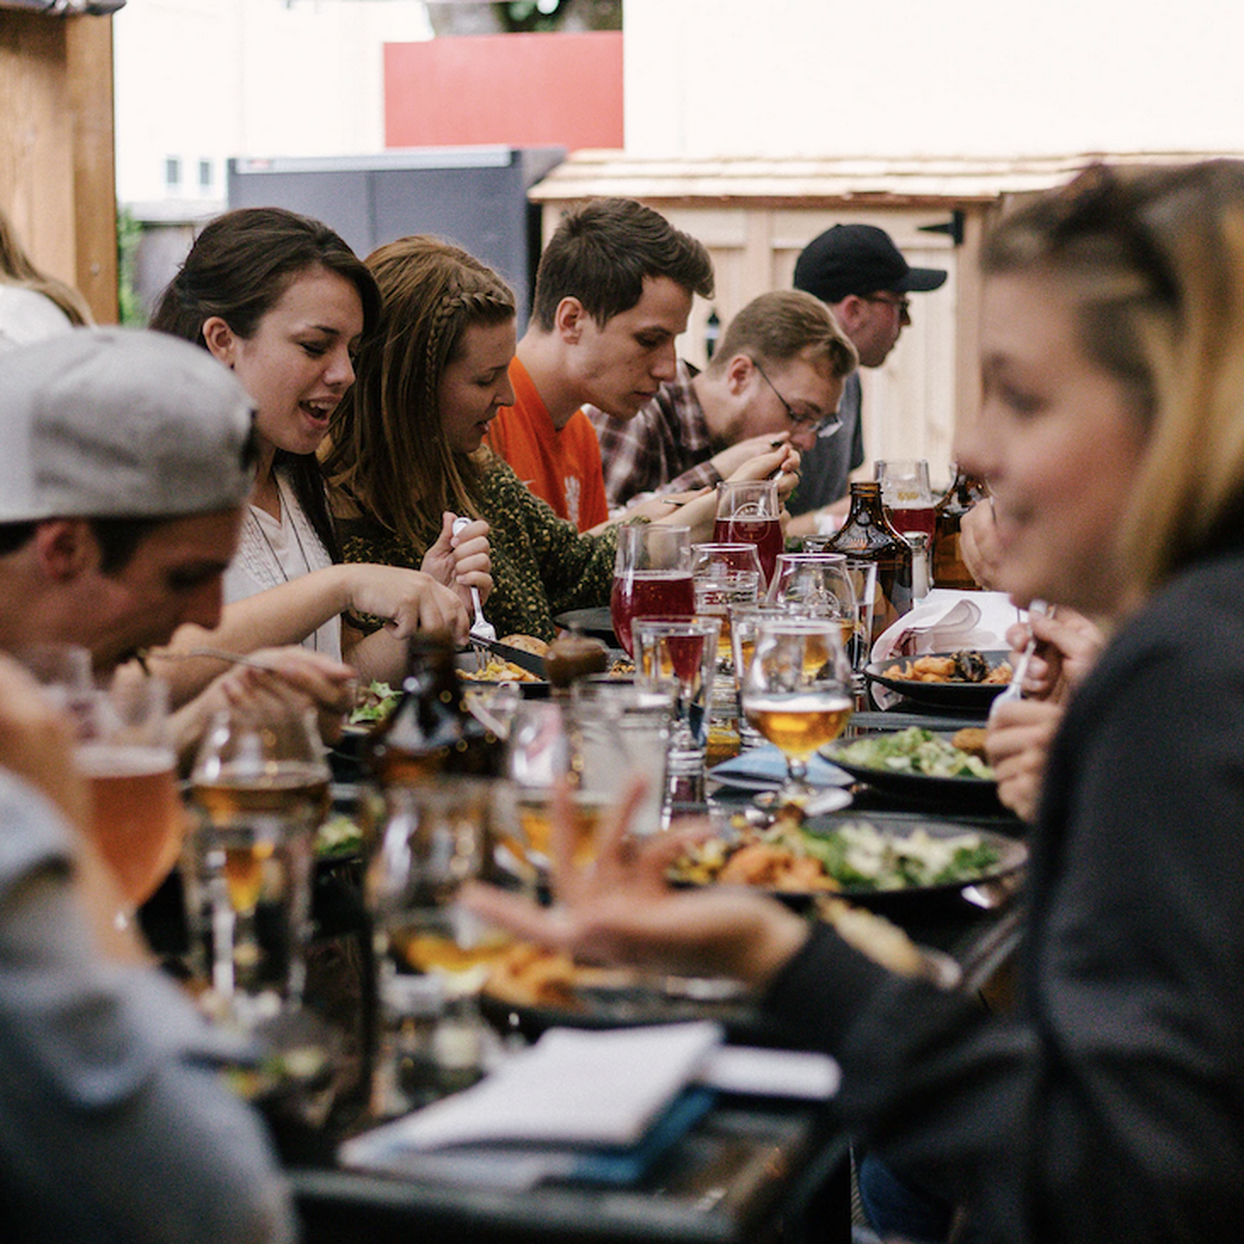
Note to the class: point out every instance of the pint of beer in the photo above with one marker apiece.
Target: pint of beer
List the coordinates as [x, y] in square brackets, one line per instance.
[136, 814]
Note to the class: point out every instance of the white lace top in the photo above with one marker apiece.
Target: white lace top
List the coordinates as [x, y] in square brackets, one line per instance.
[271, 553]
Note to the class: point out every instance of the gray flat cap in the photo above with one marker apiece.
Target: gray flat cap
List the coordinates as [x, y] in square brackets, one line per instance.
[120, 423]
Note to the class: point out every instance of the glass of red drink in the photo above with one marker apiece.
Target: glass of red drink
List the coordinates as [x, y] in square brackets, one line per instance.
[749, 512]
[906, 495]
[680, 653]
[651, 577]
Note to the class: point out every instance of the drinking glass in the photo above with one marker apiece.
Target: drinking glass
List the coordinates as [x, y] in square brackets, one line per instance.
[623, 730]
[260, 782]
[432, 953]
[724, 575]
[682, 655]
[797, 692]
[744, 619]
[63, 671]
[651, 577]
[906, 495]
[863, 574]
[715, 557]
[123, 750]
[749, 512]
[817, 585]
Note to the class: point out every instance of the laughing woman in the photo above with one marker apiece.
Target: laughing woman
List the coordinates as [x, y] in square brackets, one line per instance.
[283, 301]
[1110, 1105]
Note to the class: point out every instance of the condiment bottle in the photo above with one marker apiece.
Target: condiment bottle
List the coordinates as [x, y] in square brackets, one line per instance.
[868, 535]
[949, 569]
[431, 730]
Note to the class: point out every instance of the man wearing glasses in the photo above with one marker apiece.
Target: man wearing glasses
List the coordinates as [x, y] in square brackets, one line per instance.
[776, 379]
[864, 279]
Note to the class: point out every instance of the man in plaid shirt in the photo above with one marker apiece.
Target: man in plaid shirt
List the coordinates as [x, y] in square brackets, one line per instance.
[776, 378]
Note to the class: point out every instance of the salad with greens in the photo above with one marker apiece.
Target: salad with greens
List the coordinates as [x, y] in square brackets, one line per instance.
[853, 856]
[859, 856]
[374, 704]
[916, 751]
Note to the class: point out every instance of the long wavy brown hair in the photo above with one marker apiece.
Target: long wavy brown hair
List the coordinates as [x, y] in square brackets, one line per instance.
[386, 451]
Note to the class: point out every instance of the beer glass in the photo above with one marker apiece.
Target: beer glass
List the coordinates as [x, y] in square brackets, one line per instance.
[906, 495]
[651, 577]
[682, 655]
[124, 751]
[750, 512]
[260, 783]
[432, 953]
[797, 692]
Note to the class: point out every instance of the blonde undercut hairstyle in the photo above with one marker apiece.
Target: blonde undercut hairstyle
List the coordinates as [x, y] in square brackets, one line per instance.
[782, 325]
[387, 452]
[1154, 258]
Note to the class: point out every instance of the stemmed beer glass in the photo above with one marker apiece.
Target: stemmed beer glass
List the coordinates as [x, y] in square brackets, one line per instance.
[260, 781]
[750, 512]
[797, 691]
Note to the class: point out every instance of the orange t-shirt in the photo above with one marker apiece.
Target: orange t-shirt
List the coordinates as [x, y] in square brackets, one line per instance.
[562, 467]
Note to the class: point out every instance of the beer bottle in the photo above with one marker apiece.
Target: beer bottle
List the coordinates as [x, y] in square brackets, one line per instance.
[431, 730]
[867, 535]
[948, 567]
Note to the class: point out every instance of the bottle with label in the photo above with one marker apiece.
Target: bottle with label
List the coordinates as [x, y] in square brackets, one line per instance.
[431, 730]
[948, 566]
[867, 535]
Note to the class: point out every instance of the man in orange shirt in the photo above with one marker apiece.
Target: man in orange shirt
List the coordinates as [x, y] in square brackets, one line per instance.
[613, 291]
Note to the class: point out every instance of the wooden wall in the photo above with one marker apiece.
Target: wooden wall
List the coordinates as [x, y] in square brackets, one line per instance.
[57, 169]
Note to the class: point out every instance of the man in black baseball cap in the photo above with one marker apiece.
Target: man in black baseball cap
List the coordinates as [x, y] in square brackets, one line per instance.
[859, 272]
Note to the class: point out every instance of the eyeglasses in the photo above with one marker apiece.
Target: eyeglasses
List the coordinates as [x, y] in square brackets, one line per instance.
[818, 423]
[901, 305]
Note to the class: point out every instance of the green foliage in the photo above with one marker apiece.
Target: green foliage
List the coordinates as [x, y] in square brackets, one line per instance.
[129, 233]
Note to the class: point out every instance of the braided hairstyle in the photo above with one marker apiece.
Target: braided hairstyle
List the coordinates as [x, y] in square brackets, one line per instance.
[239, 268]
[387, 450]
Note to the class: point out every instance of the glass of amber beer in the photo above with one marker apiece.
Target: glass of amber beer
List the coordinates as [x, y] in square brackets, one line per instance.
[797, 691]
[432, 954]
[260, 784]
[123, 750]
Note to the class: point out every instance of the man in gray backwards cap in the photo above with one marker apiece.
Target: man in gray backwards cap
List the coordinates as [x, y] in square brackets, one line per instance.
[124, 469]
[126, 463]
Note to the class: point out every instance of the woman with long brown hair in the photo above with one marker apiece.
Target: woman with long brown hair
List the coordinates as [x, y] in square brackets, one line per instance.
[406, 444]
[282, 300]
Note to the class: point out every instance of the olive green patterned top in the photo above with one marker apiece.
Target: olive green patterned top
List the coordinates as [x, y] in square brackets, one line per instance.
[541, 565]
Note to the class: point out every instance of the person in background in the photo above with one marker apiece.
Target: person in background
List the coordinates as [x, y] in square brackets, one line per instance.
[613, 291]
[408, 443]
[32, 304]
[284, 303]
[777, 376]
[864, 279]
[1109, 1104]
[128, 461]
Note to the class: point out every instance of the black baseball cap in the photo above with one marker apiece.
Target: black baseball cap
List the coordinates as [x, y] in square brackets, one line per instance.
[859, 259]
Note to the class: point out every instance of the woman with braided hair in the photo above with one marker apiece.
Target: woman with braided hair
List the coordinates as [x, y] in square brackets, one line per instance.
[283, 301]
[406, 444]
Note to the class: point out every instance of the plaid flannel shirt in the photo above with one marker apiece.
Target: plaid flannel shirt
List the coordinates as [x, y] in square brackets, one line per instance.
[665, 448]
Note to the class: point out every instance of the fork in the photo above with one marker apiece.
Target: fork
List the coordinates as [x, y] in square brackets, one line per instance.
[481, 629]
[1014, 690]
